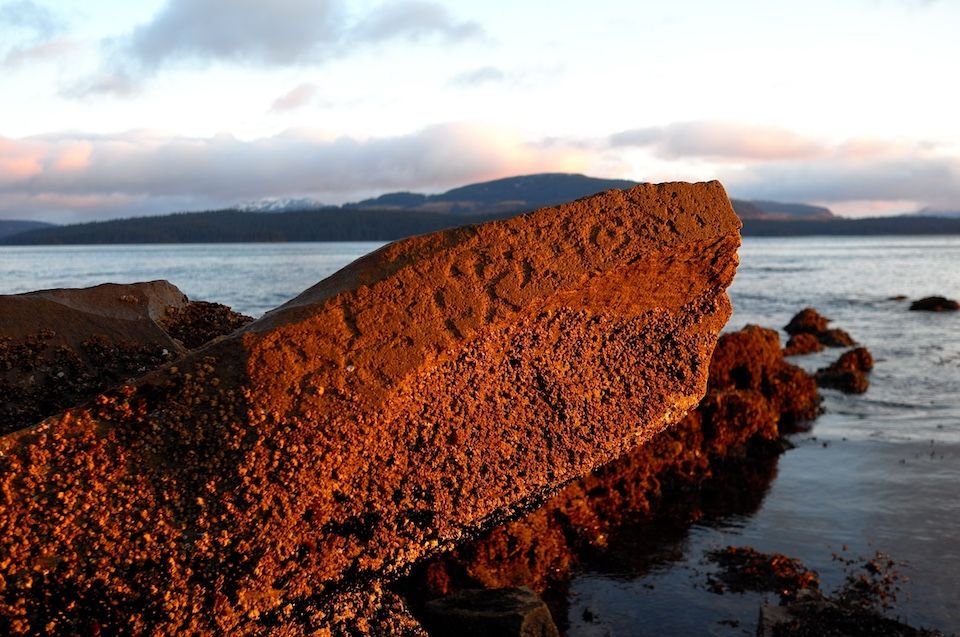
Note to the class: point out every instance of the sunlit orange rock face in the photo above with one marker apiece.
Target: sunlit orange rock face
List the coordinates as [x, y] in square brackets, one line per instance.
[423, 392]
[753, 397]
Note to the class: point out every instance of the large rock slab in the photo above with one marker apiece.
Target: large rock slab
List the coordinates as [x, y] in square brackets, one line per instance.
[420, 394]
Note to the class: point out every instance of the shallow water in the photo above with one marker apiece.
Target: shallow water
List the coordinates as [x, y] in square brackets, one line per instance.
[250, 277]
[877, 472]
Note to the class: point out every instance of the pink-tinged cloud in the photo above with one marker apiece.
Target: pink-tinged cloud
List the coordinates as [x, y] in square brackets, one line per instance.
[719, 140]
[73, 158]
[20, 56]
[156, 172]
[297, 97]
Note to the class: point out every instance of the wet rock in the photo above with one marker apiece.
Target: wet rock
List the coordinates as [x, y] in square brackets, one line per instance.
[802, 343]
[500, 612]
[836, 338]
[420, 394]
[809, 321]
[935, 304]
[743, 568]
[898, 297]
[751, 359]
[847, 373]
[806, 321]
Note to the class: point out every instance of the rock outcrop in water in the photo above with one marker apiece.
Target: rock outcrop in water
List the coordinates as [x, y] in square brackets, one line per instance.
[848, 373]
[419, 394]
[935, 304]
[61, 347]
[809, 321]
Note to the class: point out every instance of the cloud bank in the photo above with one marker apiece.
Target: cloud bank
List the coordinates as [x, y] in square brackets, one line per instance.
[720, 140]
[65, 177]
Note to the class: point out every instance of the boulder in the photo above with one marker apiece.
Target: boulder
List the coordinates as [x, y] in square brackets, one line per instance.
[418, 395]
[61, 347]
[848, 373]
[806, 321]
[935, 304]
[802, 343]
[809, 321]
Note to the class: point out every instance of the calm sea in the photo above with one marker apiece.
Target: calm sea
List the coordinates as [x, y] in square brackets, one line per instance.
[879, 471]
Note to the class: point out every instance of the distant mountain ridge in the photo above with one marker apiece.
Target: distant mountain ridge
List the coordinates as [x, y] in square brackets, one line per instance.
[526, 192]
[400, 214]
[10, 227]
[529, 192]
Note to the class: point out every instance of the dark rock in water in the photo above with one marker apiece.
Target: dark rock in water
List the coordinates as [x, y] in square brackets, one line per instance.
[849, 381]
[836, 338]
[809, 321]
[802, 343]
[898, 297]
[751, 359]
[935, 304]
[847, 373]
[499, 612]
[858, 359]
[743, 568]
[420, 394]
[806, 321]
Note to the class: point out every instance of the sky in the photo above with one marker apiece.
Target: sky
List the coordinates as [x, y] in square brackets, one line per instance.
[115, 108]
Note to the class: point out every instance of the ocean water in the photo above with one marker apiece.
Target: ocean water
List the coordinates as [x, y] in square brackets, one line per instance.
[250, 277]
[877, 472]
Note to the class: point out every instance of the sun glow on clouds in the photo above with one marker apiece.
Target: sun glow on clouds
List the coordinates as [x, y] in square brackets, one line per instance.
[122, 173]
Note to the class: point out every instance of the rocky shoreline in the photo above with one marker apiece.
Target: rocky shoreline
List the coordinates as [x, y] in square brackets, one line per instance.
[273, 479]
[215, 475]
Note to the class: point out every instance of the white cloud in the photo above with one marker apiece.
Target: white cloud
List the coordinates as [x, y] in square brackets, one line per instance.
[413, 20]
[271, 34]
[479, 76]
[928, 178]
[30, 16]
[19, 56]
[298, 97]
[720, 140]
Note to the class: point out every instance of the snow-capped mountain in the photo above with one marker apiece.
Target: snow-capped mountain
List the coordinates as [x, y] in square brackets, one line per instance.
[280, 204]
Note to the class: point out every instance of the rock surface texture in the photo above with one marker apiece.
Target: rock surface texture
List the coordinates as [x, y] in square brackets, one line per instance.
[753, 398]
[417, 395]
